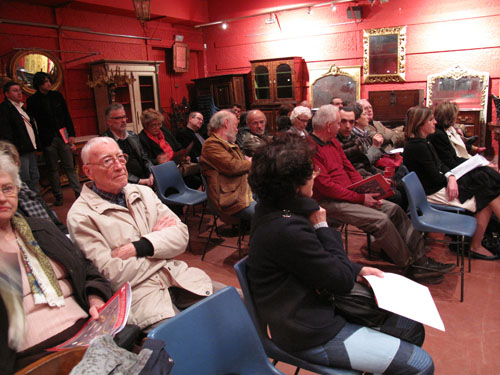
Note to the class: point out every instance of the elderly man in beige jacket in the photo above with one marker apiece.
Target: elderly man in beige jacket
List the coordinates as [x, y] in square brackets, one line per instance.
[130, 235]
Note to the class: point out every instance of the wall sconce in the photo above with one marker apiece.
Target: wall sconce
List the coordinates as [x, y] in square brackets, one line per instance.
[224, 26]
[309, 10]
[142, 10]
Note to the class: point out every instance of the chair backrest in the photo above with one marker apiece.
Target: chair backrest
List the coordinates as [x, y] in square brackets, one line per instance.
[272, 350]
[58, 363]
[167, 175]
[417, 200]
[213, 337]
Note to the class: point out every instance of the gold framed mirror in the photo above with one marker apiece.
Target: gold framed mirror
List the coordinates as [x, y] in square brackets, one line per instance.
[26, 63]
[384, 54]
[468, 88]
[343, 82]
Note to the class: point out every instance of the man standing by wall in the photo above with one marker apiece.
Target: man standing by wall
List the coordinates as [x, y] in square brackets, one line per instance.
[17, 127]
[57, 134]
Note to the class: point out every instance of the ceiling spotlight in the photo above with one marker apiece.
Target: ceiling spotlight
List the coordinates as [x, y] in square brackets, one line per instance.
[224, 26]
[270, 19]
[309, 10]
[334, 8]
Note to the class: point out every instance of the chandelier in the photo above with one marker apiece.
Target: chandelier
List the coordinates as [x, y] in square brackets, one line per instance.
[142, 10]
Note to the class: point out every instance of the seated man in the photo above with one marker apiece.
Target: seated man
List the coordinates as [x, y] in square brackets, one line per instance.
[129, 235]
[393, 138]
[386, 221]
[30, 204]
[226, 168]
[138, 164]
[189, 136]
[252, 136]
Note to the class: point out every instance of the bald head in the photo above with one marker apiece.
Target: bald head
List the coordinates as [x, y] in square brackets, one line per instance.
[256, 121]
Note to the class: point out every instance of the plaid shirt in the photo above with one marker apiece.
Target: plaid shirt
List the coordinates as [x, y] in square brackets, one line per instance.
[118, 199]
[30, 204]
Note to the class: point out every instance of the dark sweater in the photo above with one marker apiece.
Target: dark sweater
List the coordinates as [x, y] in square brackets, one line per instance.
[288, 262]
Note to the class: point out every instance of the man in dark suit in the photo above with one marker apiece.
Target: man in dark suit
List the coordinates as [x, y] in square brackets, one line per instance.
[57, 134]
[190, 136]
[17, 127]
[138, 164]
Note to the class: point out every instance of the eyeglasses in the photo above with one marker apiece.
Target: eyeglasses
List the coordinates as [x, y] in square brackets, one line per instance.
[344, 121]
[119, 117]
[9, 190]
[302, 120]
[109, 161]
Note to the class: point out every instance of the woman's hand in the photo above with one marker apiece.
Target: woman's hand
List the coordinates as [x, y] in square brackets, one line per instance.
[452, 188]
[367, 271]
[318, 216]
[95, 303]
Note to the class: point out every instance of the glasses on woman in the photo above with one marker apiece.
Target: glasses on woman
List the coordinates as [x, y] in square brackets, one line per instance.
[109, 161]
[8, 190]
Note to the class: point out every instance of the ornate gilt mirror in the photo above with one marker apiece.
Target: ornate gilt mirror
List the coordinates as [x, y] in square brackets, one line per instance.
[342, 82]
[468, 88]
[384, 54]
[26, 63]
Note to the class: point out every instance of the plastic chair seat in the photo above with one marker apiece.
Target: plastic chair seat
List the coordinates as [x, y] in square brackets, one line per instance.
[190, 198]
[213, 337]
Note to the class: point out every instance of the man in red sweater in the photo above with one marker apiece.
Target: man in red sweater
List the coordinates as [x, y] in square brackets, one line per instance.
[386, 221]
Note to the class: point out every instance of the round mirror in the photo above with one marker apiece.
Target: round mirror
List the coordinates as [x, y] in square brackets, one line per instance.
[26, 63]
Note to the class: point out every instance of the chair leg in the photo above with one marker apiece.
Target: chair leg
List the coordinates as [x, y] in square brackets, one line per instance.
[202, 215]
[209, 237]
[297, 371]
[462, 253]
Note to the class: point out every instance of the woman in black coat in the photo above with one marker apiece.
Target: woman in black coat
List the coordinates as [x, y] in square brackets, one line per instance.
[477, 191]
[294, 255]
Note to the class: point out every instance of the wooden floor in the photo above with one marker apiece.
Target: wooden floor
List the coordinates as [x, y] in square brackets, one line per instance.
[471, 343]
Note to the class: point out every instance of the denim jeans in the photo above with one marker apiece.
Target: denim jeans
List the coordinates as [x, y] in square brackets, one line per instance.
[29, 171]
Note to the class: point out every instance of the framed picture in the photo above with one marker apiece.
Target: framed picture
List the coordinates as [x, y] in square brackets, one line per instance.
[181, 57]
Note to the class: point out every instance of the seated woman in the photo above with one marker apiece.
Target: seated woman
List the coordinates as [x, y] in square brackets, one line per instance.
[51, 288]
[161, 147]
[477, 191]
[299, 118]
[294, 254]
[448, 144]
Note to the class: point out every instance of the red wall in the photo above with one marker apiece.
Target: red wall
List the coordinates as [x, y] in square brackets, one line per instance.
[439, 34]
[78, 95]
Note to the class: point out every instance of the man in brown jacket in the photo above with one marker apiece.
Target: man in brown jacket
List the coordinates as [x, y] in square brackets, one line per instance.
[226, 168]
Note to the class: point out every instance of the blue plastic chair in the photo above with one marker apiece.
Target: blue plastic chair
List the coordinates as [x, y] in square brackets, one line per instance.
[272, 350]
[214, 337]
[428, 219]
[168, 176]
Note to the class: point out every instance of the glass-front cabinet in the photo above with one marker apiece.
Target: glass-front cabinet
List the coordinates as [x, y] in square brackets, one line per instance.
[275, 82]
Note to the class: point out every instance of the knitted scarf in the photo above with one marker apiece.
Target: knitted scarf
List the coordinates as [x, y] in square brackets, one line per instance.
[41, 277]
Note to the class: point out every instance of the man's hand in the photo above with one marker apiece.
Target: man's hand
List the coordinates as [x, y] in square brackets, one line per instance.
[95, 303]
[452, 188]
[164, 222]
[378, 140]
[249, 158]
[147, 181]
[318, 216]
[371, 201]
[367, 271]
[124, 252]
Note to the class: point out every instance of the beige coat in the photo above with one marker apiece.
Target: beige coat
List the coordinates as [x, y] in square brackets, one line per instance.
[393, 138]
[99, 226]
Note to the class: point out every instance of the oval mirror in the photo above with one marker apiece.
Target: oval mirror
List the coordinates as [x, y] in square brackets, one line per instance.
[26, 63]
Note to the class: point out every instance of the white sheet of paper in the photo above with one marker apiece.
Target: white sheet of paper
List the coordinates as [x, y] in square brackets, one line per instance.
[396, 151]
[470, 164]
[405, 297]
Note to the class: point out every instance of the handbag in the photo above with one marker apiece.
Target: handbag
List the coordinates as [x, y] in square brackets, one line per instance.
[359, 306]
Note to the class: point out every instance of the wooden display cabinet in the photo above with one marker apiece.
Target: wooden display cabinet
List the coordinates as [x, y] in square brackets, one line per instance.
[226, 90]
[275, 82]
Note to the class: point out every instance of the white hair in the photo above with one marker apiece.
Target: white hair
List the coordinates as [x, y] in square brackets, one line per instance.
[87, 149]
[325, 113]
[300, 110]
[8, 166]
[218, 120]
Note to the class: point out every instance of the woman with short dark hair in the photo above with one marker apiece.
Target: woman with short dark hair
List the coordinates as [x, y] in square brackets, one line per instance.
[294, 255]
